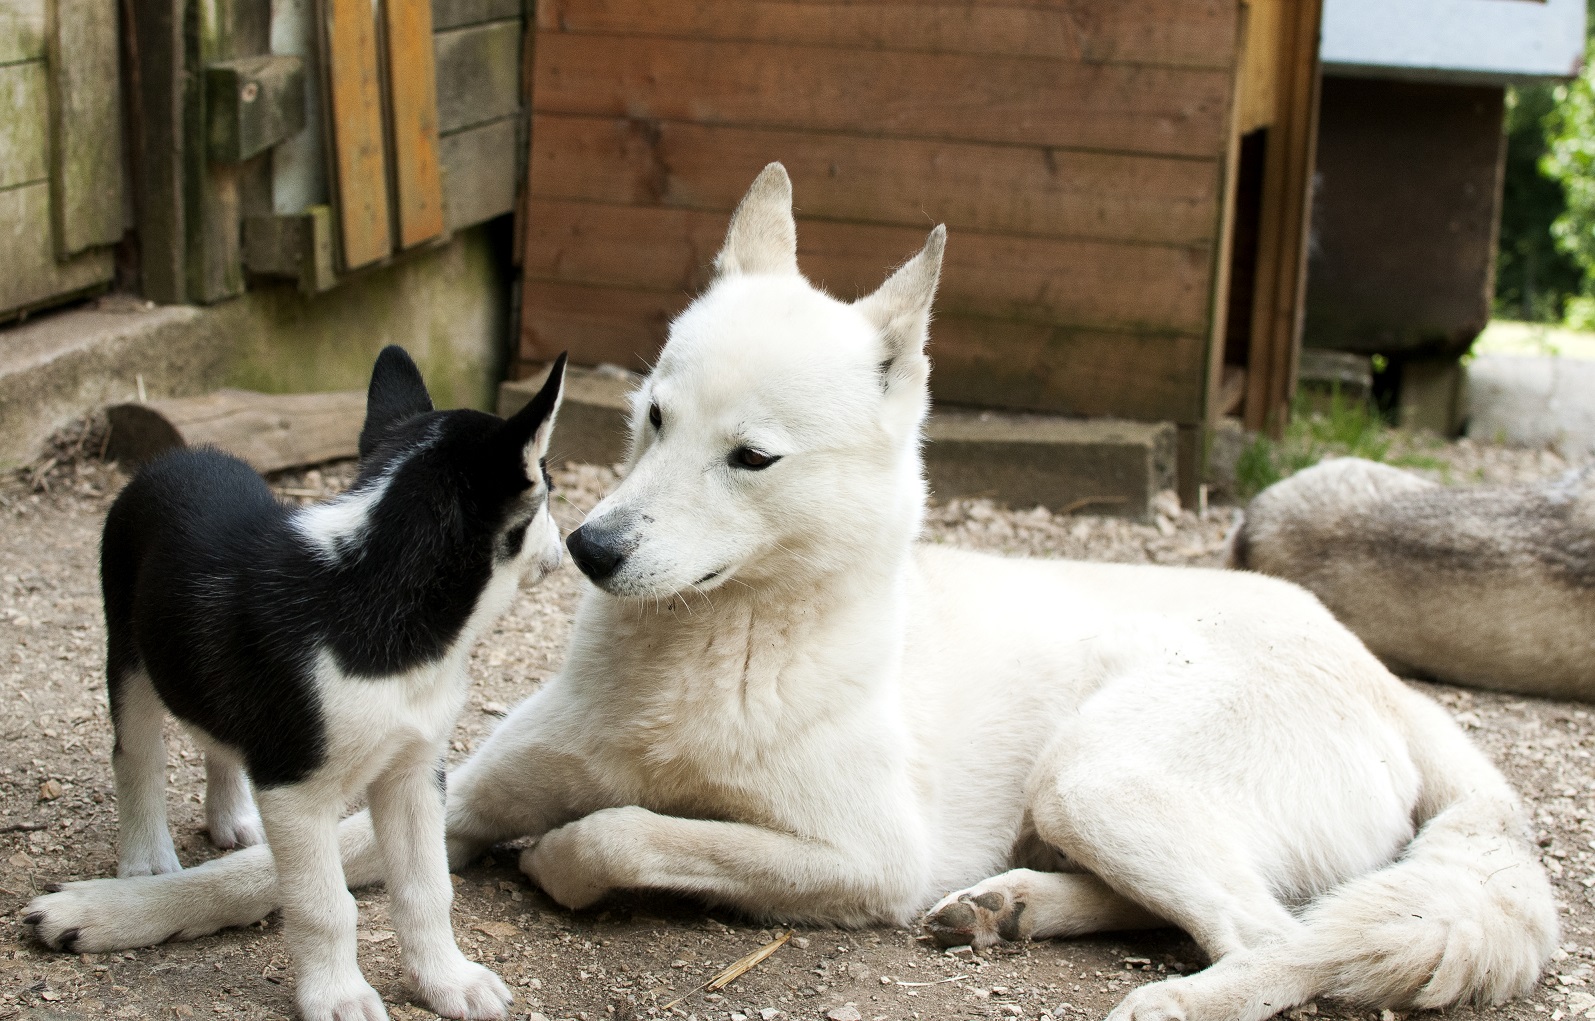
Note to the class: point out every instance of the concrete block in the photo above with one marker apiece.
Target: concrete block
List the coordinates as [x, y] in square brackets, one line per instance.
[1533, 400]
[1102, 466]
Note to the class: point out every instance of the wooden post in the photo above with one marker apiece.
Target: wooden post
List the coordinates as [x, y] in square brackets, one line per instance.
[85, 125]
[1282, 231]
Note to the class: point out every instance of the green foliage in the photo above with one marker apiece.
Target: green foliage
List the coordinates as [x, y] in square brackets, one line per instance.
[1568, 126]
[1534, 278]
[1347, 429]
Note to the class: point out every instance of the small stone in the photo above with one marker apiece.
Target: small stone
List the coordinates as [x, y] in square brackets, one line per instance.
[770, 1014]
[1011, 1009]
[736, 1016]
[801, 942]
[846, 1013]
[49, 790]
[498, 930]
[21, 860]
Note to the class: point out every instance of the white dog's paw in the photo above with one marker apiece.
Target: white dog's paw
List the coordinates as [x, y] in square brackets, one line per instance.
[464, 989]
[980, 916]
[93, 917]
[582, 862]
[348, 998]
[230, 830]
[1160, 1001]
[148, 858]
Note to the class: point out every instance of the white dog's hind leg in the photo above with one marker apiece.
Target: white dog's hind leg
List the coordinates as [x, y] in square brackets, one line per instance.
[407, 816]
[230, 815]
[1025, 904]
[139, 762]
[319, 914]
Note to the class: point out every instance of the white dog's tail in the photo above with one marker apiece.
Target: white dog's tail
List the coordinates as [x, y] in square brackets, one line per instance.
[1466, 913]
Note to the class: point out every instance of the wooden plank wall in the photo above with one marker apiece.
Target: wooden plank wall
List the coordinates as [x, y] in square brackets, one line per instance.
[57, 209]
[480, 145]
[1075, 151]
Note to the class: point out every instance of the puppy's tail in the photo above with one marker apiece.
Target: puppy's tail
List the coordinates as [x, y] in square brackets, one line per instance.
[1465, 914]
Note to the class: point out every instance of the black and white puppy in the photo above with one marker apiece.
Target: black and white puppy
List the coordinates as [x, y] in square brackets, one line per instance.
[322, 651]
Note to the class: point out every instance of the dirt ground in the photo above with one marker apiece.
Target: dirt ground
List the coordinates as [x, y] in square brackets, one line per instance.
[635, 956]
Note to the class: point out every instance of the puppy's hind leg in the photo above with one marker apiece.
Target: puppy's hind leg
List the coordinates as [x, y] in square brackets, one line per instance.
[230, 813]
[139, 762]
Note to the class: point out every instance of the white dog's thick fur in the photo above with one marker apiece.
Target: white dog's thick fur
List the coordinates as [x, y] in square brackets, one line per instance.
[781, 703]
[1492, 586]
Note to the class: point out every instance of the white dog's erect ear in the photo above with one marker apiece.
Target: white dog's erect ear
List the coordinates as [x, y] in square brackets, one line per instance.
[762, 237]
[900, 308]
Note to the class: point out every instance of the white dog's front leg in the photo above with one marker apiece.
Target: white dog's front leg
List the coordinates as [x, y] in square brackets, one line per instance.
[319, 915]
[407, 816]
[756, 870]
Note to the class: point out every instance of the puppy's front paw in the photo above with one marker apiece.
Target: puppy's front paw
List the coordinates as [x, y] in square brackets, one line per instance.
[464, 989]
[339, 999]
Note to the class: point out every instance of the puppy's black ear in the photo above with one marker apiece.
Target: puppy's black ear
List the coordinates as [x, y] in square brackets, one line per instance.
[525, 435]
[397, 392]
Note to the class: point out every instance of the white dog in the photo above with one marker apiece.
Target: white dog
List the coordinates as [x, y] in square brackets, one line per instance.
[775, 700]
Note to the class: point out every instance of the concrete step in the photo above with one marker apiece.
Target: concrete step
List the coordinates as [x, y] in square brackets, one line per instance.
[1101, 466]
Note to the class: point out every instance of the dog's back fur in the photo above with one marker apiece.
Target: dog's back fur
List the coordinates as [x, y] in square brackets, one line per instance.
[1490, 586]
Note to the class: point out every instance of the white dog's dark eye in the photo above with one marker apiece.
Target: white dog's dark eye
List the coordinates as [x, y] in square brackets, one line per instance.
[654, 416]
[753, 460]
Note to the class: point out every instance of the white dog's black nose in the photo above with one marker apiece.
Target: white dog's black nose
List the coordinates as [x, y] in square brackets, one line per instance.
[597, 551]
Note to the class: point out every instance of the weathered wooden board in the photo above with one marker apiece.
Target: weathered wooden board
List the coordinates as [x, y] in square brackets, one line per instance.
[29, 271]
[270, 431]
[478, 74]
[978, 361]
[459, 13]
[85, 125]
[479, 167]
[412, 97]
[1025, 367]
[22, 27]
[1258, 77]
[156, 72]
[359, 161]
[1080, 283]
[24, 124]
[1190, 33]
[1111, 107]
[1014, 189]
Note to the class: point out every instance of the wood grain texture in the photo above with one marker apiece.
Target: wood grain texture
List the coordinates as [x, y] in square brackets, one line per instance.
[478, 74]
[412, 98]
[1013, 189]
[270, 431]
[1189, 33]
[85, 125]
[1079, 283]
[22, 30]
[979, 361]
[458, 13]
[479, 167]
[24, 124]
[30, 274]
[359, 161]
[1110, 107]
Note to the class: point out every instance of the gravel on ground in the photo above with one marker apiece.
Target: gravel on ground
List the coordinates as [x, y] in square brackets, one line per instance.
[635, 955]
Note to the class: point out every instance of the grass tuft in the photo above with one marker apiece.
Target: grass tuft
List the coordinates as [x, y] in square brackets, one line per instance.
[1348, 428]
